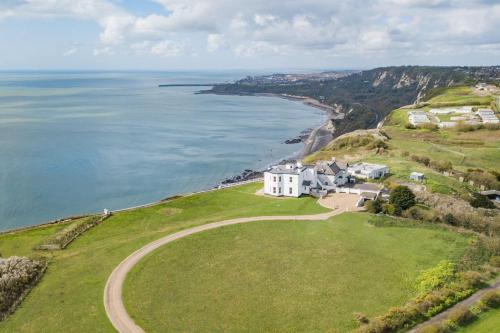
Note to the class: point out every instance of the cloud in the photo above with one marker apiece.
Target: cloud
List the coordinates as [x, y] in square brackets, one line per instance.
[296, 27]
[214, 42]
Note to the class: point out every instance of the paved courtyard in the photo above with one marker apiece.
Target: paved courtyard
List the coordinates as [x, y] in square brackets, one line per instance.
[341, 200]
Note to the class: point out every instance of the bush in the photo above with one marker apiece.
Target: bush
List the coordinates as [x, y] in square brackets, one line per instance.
[491, 299]
[436, 277]
[388, 208]
[421, 159]
[460, 316]
[402, 198]
[448, 218]
[495, 261]
[479, 200]
[373, 206]
[441, 166]
[17, 276]
[432, 328]
[429, 126]
[360, 318]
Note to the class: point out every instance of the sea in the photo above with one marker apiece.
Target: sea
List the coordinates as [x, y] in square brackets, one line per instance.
[79, 142]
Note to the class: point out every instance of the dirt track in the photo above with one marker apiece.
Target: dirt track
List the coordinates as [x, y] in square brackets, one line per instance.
[113, 303]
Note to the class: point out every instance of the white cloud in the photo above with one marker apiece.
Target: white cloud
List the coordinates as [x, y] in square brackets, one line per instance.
[214, 42]
[296, 27]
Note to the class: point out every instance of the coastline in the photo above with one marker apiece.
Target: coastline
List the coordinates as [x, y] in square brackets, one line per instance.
[316, 139]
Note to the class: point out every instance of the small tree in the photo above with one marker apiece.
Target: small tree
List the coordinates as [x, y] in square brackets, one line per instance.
[402, 198]
[374, 206]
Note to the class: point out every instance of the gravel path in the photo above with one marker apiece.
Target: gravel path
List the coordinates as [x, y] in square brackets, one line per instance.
[113, 303]
[466, 303]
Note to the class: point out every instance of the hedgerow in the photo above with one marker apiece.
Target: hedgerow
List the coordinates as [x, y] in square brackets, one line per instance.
[64, 237]
[17, 276]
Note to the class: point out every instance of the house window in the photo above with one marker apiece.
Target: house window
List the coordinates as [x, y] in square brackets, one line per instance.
[274, 190]
[291, 179]
[274, 178]
[279, 190]
[290, 190]
[279, 178]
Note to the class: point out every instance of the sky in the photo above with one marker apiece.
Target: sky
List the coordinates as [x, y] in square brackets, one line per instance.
[246, 34]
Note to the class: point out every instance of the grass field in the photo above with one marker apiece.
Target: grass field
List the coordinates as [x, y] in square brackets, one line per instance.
[488, 322]
[459, 96]
[283, 276]
[69, 296]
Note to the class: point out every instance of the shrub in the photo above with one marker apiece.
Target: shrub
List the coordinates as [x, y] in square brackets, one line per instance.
[489, 180]
[441, 166]
[479, 200]
[421, 159]
[429, 126]
[402, 198]
[491, 299]
[460, 316]
[405, 154]
[495, 261]
[17, 276]
[436, 277]
[360, 318]
[388, 208]
[432, 328]
[374, 206]
[448, 218]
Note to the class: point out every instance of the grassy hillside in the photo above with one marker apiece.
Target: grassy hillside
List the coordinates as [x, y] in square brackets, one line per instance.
[465, 150]
[283, 276]
[69, 296]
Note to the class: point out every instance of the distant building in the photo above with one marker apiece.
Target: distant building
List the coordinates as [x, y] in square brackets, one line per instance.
[417, 118]
[447, 124]
[460, 110]
[368, 170]
[487, 116]
[417, 176]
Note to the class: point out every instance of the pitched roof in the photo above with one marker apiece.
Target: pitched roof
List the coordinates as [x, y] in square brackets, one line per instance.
[329, 168]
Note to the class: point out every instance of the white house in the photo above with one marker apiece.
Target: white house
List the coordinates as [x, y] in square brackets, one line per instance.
[368, 170]
[417, 118]
[295, 179]
[487, 116]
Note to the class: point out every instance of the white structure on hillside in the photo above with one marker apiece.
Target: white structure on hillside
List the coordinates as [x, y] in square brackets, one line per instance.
[417, 176]
[487, 116]
[368, 170]
[295, 179]
[460, 110]
[417, 118]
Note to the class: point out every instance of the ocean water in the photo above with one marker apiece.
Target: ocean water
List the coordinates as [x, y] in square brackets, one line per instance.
[78, 142]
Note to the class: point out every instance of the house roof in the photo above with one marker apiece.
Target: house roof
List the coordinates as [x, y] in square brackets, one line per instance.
[282, 169]
[330, 168]
[368, 187]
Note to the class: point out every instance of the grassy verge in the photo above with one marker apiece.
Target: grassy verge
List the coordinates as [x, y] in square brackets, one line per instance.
[487, 322]
[284, 276]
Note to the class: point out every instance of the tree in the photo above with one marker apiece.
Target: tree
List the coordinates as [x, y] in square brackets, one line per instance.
[481, 201]
[374, 206]
[402, 198]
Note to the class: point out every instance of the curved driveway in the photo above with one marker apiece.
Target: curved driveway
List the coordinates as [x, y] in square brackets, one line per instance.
[113, 303]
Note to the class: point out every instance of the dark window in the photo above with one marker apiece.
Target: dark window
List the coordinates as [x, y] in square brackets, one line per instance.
[290, 190]
[274, 189]
[291, 179]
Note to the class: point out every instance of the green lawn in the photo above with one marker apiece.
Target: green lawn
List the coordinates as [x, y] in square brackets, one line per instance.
[459, 96]
[69, 296]
[283, 276]
[488, 322]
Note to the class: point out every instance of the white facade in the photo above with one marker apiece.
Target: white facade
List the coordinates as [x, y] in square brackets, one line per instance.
[293, 180]
[487, 116]
[417, 118]
[368, 170]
